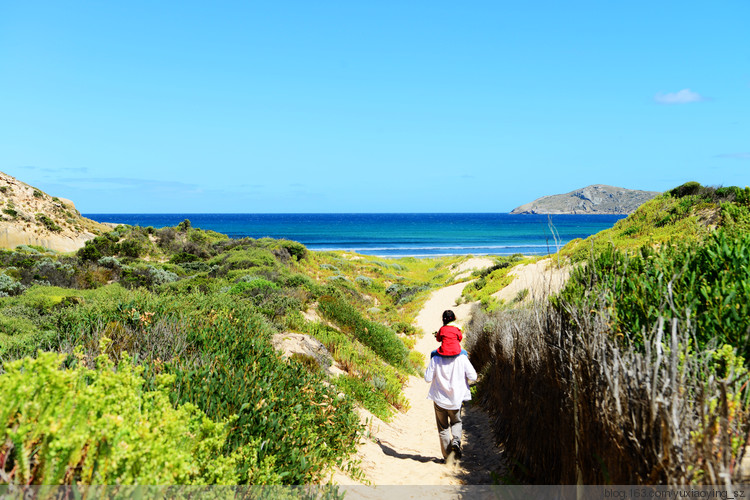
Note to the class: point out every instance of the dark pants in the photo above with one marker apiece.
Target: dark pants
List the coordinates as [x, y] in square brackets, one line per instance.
[448, 422]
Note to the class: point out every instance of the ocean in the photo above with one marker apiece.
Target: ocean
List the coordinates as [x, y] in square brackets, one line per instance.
[395, 235]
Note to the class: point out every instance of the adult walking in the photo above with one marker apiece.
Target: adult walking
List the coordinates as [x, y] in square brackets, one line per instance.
[449, 378]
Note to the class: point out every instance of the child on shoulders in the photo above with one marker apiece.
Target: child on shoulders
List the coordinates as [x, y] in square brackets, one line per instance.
[450, 337]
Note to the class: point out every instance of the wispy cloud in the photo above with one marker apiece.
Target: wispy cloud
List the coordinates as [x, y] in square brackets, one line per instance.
[735, 156]
[67, 170]
[684, 96]
[127, 182]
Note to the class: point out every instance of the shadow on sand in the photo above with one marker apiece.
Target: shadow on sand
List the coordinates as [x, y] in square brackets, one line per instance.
[483, 462]
[387, 450]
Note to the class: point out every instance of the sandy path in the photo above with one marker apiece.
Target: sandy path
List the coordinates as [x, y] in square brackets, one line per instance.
[406, 450]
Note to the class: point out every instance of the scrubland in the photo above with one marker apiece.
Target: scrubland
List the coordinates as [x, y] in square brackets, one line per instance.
[636, 372]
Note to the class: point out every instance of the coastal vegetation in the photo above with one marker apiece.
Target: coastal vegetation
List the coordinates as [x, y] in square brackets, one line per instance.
[637, 372]
[151, 355]
[180, 323]
[491, 280]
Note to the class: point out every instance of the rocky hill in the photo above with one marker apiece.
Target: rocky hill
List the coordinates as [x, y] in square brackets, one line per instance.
[595, 199]
[28, 216]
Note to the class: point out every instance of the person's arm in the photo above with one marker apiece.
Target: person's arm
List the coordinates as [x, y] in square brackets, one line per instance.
[469, 371]
[428, 373]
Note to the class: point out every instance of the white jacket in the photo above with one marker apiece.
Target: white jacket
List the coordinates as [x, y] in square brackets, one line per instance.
[450, 377]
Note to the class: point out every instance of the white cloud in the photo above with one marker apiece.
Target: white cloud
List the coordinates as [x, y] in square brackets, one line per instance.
[684, 96]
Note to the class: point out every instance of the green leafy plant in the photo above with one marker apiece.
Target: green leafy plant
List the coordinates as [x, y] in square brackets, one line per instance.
[381, 339]
[70, 426]
[710, 280]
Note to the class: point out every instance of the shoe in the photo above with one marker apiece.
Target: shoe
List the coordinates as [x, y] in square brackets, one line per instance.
[456, 447]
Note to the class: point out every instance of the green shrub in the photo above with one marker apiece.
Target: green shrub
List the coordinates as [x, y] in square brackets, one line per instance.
[200, 283]
[253, 287]
[242, 374]
[382, 340]
[100, 427]
[735, 217]
[182, 257]
[110, 262]
[148, 277]
[131, 247]
[95, 249]
[365, 393]
[295, 249]
[245, 258]
[9, 286]
[363, 281]
[301, 281]
[20, 336]
[687, 189]
[48, 223]
[710, 280]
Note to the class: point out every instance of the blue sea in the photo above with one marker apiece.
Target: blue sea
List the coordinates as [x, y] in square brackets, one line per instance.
[395, 235]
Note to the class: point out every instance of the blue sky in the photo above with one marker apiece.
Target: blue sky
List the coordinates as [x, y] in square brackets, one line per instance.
[365, 106]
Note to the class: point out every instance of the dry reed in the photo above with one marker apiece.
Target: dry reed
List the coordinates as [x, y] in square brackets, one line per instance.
[572, 405]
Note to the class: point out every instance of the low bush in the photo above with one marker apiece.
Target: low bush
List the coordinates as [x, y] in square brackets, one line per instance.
[710, 280]
[366, 394]
[244, 258]
[297, 423]
[95, 249]
[100, 427]
[48, 223]
[55, 272]
[183, 257]
[149, 277]
[404, 293]
[297, 250]
[382, 340]
[9, 286]
[253, 286]
[131, 247]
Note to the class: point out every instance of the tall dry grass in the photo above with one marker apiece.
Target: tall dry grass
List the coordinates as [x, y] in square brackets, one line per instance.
[572, 405]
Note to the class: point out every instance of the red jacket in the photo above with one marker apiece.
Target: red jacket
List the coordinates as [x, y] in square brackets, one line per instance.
[450, 336]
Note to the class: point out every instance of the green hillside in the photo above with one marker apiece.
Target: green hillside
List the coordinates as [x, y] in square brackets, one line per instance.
[687, 213]
[190, 316]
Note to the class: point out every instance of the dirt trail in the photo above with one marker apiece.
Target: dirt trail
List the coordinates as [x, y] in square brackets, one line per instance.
[406, 450]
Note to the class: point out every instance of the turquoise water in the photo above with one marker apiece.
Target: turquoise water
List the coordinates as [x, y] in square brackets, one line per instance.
[395, 235]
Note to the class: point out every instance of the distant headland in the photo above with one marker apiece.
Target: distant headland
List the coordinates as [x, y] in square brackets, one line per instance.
[594, 199]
